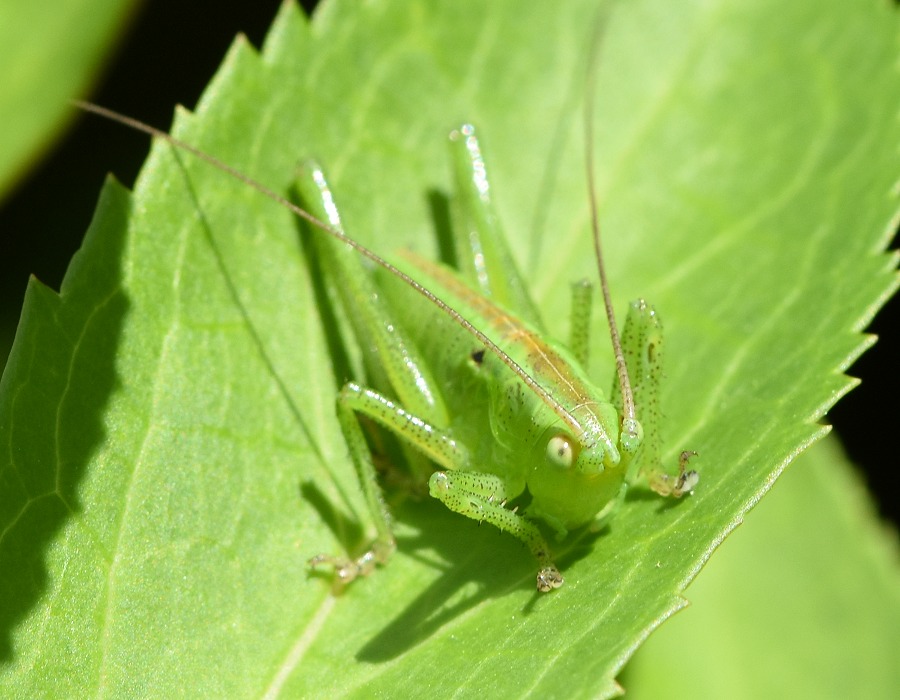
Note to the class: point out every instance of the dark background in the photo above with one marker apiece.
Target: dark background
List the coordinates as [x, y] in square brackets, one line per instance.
[170, 53]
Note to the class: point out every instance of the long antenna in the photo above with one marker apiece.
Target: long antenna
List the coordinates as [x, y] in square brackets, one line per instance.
[458, 318]
[590, 87]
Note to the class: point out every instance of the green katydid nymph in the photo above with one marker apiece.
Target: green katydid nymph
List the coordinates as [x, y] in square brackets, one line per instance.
[504, 413]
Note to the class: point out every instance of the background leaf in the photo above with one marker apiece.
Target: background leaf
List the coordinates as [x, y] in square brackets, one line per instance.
[49, 51]
[173, 456]
[803, 600]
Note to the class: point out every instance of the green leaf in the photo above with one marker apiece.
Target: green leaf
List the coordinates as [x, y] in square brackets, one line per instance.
[802, 601]
[173, 456]
[50, 52]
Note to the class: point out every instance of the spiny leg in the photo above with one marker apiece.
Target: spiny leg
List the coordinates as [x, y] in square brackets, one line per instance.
[390, 355]
[483, 497]
[378, 332]
[483, 254]
[642, 345]
[432, 441]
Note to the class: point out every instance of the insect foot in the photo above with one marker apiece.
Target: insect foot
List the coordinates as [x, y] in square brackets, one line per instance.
[676, 486]
[549, 578]
[347, 570]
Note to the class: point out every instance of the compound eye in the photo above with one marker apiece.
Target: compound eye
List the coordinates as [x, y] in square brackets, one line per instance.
[560, 452]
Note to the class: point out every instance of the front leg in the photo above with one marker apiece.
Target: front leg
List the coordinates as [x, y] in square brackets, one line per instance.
[482, 497]
[642, 345]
